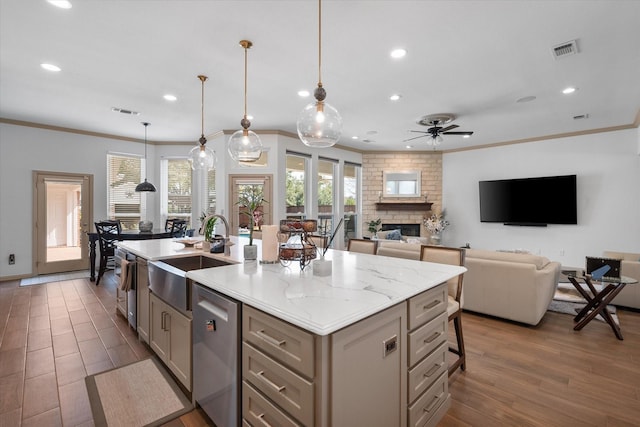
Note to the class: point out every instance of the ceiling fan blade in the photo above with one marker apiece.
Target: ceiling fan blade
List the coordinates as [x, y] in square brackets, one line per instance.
[415, 137]
[448, 128]
[419, 131]
[458, 133]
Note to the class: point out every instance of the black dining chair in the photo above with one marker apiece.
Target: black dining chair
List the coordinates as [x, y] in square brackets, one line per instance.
[176, 226]
[108, 232]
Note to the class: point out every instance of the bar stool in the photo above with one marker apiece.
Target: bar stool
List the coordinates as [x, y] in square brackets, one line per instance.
[451, 256]
[363, 246]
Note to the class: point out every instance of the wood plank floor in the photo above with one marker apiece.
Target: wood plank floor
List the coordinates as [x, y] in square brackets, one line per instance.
[53, 335]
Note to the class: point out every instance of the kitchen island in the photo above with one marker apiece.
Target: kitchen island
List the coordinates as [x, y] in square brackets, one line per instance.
[365, 345]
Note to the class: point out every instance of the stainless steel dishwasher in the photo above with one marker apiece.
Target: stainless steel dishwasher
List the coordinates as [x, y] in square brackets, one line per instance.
[216, 352]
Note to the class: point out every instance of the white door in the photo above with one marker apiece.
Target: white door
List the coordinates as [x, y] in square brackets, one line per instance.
[63, 214]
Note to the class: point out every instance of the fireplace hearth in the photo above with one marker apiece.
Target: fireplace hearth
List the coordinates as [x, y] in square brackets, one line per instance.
[405, 229]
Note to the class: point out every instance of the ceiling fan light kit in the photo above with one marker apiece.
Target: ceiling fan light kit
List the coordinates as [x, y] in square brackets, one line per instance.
[435, 132]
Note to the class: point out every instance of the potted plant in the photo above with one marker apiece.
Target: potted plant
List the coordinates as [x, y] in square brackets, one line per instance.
[250, 199]
[207, 228]
[374, 227]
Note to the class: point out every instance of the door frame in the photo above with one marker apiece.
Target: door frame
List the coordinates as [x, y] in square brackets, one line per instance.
[39, 239]
[234, 210]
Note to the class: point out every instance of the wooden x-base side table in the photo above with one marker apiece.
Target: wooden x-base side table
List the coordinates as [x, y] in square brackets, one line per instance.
[597, 303]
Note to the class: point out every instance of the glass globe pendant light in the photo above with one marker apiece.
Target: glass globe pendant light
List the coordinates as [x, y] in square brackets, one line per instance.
[319, 124]
[201, 157]
[145, 186]
[245, 145]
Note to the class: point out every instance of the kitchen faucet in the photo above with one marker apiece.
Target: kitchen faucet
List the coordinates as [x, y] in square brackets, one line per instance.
[227, 240]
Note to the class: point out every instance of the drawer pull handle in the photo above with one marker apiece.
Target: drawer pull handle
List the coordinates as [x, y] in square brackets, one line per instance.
[433, 369]
[435, 401]
[431, 304]
[432, 338]
[270, 339]
[276, 387]
[262, 420]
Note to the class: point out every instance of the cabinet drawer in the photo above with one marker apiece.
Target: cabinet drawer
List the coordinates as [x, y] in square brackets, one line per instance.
[286, 343]
[426, 372]
[423, 410]
[427, 305]
[425, 339]
[287, 389]
[258, 411]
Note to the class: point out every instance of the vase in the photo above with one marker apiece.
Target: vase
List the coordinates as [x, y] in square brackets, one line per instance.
[250, 252]
[435, 239]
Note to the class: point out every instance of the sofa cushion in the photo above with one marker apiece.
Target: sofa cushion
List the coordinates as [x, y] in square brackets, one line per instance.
[394, 235]
[539, 261]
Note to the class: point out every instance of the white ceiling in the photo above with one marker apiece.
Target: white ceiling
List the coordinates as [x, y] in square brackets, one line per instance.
[470, 58]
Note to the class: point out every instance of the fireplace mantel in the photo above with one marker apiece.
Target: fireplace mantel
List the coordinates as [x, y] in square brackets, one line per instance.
[404, 206]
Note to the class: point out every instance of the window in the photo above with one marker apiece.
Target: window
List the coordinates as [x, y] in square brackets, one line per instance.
[211, 191]
[178, 203]
[351, 185]
[124, 172]
[326, 194]
[296, 185]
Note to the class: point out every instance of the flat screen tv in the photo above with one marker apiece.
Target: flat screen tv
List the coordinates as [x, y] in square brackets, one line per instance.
[529, 201]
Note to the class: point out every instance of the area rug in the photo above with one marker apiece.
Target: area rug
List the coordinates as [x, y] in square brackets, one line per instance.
[48, 278]
[569, 301]
[139, 394]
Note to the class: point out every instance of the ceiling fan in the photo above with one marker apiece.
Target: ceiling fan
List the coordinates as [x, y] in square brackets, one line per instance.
[437, 129]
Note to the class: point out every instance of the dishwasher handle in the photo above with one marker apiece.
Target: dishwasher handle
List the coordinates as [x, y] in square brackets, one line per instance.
[214, 310]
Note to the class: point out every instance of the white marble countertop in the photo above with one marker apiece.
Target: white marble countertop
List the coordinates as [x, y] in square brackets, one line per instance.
[158, 249]
[360, 285]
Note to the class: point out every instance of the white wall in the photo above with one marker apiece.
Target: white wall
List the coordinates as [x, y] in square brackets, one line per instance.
[607, 166]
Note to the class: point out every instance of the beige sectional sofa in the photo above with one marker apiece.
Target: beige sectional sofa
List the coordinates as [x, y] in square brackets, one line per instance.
[512, 286]
[630, 295]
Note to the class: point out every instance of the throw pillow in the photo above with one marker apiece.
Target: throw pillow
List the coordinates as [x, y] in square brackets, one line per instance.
[394, 235]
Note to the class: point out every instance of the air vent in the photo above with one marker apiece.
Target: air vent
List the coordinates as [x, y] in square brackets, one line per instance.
[124, 111]
[565, 49]
[581, 117]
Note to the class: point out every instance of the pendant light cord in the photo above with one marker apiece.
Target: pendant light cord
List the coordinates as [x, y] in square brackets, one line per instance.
[319, 42]
[245, 81]
[202, 79]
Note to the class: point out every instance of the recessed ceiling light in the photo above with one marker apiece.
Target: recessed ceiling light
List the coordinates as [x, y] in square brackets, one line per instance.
[466, 136]
[303, 93]
[62, 4]
[398, 53]
[50, 67]
[569, 90]
[395, 97]
[354, 137]
[526, 99]
[409, 146]
[170, 97]
[249, 117]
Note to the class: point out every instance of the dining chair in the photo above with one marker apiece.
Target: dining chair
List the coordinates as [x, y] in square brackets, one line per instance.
[451, 256]
[106, 231]
[176, 226]
[363, 246]
[319, 241]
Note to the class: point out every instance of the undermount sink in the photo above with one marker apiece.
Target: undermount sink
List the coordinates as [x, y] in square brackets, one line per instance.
[168, 278]
[196, 262]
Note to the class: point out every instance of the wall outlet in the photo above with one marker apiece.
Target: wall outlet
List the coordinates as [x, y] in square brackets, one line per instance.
[561, 252]
[12, 259]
